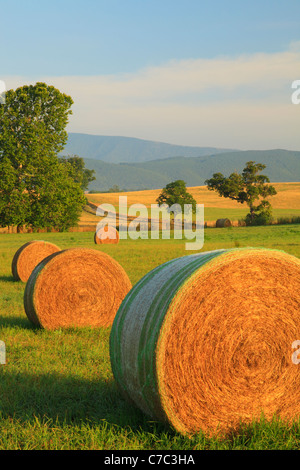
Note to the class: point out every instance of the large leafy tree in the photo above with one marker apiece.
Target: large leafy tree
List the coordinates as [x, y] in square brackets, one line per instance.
[35, 190]
[249, 187]
[176, 193]
[77, 170]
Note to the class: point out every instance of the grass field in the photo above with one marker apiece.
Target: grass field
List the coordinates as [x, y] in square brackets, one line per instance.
[286, 203]
[57, 388]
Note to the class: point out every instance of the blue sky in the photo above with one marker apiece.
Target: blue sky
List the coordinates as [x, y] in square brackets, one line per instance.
[188, 72]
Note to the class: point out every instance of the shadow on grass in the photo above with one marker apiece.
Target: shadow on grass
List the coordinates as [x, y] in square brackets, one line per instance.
[16, 321]
[42, 401]
[68, 401]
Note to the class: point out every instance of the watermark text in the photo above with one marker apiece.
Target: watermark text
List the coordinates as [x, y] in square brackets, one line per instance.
[2, 92]
[296, 93]
[2, 353]
[135, 222]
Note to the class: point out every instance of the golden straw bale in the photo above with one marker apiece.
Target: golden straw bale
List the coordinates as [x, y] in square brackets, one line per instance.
[28, 256]
[223, 223]
[204, 342]
[77, 287]
[106, 235]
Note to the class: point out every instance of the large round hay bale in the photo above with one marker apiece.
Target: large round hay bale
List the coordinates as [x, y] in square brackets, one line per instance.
[204, 342]
[28, 256]
[77, 287]
[223, 223]
[106, 235]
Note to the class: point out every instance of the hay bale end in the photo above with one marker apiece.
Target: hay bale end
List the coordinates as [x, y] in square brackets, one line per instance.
[220, 223]
[28, 256]
[76, 287]
[106, 235]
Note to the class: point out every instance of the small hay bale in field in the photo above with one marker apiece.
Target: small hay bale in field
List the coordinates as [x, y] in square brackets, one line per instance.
[75, 288]
[223, 223]
[28, 256]
[204, 342]
[106, 235]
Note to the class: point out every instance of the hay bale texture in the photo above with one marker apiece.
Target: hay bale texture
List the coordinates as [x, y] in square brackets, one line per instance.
[106, 235]
[77, 287]
[204, 342]
[28, 256]
[220, 223]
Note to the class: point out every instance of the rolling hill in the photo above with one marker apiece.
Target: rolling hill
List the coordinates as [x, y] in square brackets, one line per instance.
[281, 166]
[136, 164]
[128, 149]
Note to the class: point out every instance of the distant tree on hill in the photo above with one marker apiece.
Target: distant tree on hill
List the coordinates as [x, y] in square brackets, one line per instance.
[35, 189]
[114, 189]
[247, 187]
[78, 172]
[176, 193]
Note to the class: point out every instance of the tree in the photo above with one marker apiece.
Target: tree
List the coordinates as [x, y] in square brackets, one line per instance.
[60, 200]
[114, 189]
[247, 187]
[78, 172]
[35, 190]
[176, 193]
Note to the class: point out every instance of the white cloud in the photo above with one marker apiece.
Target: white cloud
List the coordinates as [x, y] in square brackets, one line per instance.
[240, 102]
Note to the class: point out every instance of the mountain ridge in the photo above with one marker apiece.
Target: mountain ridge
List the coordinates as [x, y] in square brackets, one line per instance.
[281, 166]
[120, 149]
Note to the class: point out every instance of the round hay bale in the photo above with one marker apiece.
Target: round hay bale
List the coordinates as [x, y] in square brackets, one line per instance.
[28, 256]
[204, 342]
[223, 223]
[106, 235]
[75, 288]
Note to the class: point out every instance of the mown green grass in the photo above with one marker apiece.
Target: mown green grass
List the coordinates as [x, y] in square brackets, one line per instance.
[214, 213]
[57, 390]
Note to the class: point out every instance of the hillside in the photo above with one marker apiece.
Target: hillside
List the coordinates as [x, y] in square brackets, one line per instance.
[115, 149]
[286, 203]
[287, 198]
[281, 165]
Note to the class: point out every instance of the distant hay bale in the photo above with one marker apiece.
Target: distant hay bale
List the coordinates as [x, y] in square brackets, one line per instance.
[204, 342]
[106, 235]
[223, 223]
[75, 288]
[28, 256]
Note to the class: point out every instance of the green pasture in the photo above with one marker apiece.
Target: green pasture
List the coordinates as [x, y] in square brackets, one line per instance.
[214, 213]
[57, 390]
